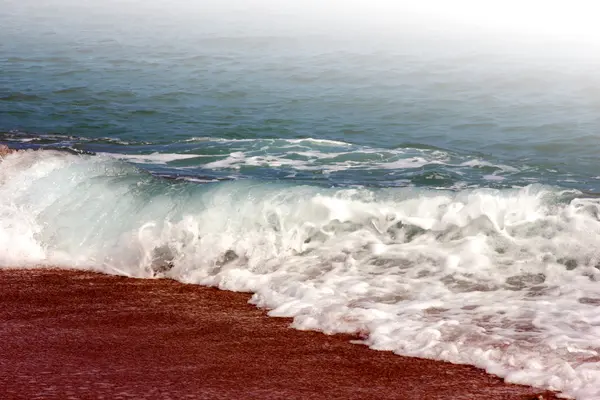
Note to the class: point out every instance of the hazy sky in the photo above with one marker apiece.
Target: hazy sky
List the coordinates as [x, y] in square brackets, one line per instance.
[573, 20]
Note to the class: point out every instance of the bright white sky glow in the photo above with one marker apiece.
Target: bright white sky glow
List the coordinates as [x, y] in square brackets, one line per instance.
[578, 19]
[570, 19]
[575, 18]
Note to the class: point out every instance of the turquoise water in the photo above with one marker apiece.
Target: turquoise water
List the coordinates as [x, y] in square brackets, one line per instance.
[466, 113]
[434, 188]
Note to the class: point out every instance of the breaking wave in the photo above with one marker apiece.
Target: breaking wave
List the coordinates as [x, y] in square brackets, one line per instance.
[503, 279]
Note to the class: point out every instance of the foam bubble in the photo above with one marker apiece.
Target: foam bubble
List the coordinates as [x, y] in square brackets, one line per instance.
[154, 158]
[290, 141]
[476, 163]
[320, 141]
[505, 280]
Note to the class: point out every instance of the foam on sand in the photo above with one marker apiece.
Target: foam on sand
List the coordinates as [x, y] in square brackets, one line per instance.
[505, 280]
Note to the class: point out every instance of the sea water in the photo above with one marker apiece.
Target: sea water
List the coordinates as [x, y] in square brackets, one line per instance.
[435, 191]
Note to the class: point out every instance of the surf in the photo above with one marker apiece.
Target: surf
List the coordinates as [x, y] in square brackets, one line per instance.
[503, 279]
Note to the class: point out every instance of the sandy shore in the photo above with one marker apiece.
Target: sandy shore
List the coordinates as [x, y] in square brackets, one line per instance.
[77, 335]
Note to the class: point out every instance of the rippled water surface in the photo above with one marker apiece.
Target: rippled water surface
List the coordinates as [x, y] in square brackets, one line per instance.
[436, 190]
[464, 112]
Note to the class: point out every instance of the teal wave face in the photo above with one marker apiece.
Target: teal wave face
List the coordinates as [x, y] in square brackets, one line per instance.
[320, 162]
[531, 111]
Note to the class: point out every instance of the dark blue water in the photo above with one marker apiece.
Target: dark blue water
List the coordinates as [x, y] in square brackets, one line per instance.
[405, 109]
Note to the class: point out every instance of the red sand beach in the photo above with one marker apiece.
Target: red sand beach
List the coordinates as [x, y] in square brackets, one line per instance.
[78, 335]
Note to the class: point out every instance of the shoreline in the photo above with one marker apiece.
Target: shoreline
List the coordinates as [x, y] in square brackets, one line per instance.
[85, 335]
[5, 150]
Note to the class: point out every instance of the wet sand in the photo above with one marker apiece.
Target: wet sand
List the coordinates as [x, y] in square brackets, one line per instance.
[78, 335]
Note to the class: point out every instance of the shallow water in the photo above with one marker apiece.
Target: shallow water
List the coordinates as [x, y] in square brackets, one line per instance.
[435, 191]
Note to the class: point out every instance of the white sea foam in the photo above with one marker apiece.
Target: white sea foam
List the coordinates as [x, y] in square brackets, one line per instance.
[197, 180]
[154, 158]
[506, 280]
[480, 164]
[329, 156]
[291, 141]
[319, 141]
[412, 162]
[493, 177]
[328, 161]
[239, 159]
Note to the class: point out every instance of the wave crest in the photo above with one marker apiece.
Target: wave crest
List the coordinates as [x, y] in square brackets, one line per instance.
[502, 279]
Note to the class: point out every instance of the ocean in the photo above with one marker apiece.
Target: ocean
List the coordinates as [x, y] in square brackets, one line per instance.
[437, 191]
